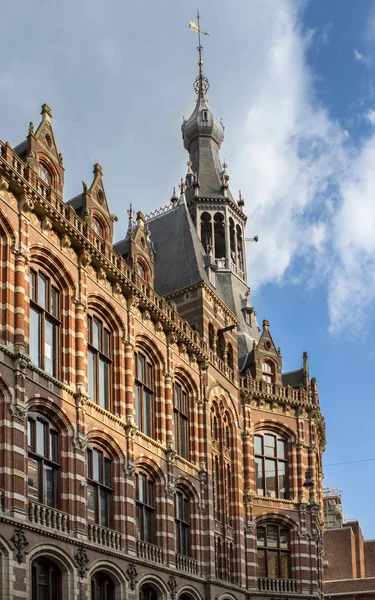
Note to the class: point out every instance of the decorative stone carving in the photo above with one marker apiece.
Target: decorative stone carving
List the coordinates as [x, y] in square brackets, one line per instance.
[170, 452]
[81, 561]
[84, 259]
[80, 442]
[46, 224]
[169, 489]
[250, 526]
[102, 275]
[172, 584]
[18, 411]
[27, 205]
[146, 317]
[129, 469]
[20, 542]
[249, 495]
[132, 573]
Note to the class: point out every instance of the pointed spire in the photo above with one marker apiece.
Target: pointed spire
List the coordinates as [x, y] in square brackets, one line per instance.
[241, 201]
[31, 128]
[174, 197]
[182, 187]
[201, 84]
[131, 217]
[305, 370]
[46, 112]
[98, 170]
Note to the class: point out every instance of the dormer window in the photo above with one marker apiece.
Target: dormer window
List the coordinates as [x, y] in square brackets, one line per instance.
[97, 227]
[268, 371]
[45, 174]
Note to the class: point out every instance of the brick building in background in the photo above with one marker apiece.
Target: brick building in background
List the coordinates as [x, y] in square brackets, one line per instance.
[349, 560]
[151, 446]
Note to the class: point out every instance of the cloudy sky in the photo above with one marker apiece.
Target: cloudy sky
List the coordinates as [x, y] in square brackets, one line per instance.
[294, 82]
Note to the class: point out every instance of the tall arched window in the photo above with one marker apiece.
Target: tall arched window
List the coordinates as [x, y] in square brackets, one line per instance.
[145, 506]
[44, 322]
[240, 261]
[144, 394]
[43, 461]
[102, 587]
[99, 487]
[206, 231]
[181, 420]
[271, 465]
[182, 523]
[211, 336]
[45, 580]
[220, 344]
[99, 362]
[232, 233]
[142, 269]
[230, 356]
[273, 552]
[219, 226]
[147, 592]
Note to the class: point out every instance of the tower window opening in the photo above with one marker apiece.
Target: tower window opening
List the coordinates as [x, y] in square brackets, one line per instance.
[240, 261]
[232, 235]
[219, 227]
[206, 231]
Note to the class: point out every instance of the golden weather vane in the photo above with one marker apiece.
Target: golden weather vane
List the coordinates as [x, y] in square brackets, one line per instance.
[201, 84]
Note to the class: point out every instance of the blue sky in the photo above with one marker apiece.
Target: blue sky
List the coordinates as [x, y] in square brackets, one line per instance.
[294, 82]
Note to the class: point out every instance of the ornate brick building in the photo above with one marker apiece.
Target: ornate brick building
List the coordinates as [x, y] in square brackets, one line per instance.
[151, 447]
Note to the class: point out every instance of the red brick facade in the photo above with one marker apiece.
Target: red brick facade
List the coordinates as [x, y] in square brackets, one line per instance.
[137, 412]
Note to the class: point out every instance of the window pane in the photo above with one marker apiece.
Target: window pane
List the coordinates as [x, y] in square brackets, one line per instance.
[32, 285]
[96, 465]
[177, 536]
[90, 502]
[183, 437]
[261, 564]
[261, 536]
[272, 536]
[53, 445]
[269, 445]
[272, 563]
[138, 406]
[284, 565]
[95, 333]
[107, 472]
[106, 342]
[34, 337]
[259, 476]
[42, 291]
[104, 508]
[147, 397]
[32, 480]
[140, 367]
[30, 434]
[90, 374]
[139, 523]
[150, 492]
[283, 538]
[54, 309]
[142, 497]
[281, 449]
[258, 444]
[49, 485]
[103, 383]
[282, 480]
[184, 540]
[270, 466]
[176, 396]
[40, 438]
[49, 344]
[148, 526]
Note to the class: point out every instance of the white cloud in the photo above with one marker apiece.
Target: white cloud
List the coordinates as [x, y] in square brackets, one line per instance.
[312, 197]
[363, 58]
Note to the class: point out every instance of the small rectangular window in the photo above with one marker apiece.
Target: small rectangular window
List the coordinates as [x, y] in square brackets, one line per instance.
[54, 308]
[96, 466]
[40, 438]
[42, 291]
[96, 333]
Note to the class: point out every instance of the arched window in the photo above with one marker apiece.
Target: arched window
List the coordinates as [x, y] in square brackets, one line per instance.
[99, 362]
[206, 231]
[97, 227]
[99, 487]
[44, 322]
[240, 261]
[219, 227]
[232, 234]
[145, 505]
[144, 394]
[142, 270]
[147, 592]
[102, 587]
[211, 336]
[230, 356]
[273, 552]
[181, 420]
[220, 344]
[182, 523]
[42, 461]
[271, 465]
[45, 580]
[45, 174]
[268, 371]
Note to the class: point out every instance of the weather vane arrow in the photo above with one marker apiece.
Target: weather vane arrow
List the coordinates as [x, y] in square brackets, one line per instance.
[201, 84]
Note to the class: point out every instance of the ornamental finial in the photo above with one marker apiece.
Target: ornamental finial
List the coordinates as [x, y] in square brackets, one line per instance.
[201, 84]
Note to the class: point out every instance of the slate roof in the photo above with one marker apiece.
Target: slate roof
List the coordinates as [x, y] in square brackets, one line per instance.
[293, 378]
[179, 254]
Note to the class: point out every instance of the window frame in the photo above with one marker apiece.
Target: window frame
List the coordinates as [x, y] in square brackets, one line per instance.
[181, 421]
[101, 357]
[48, 311]
[35, 582]
[43, 460]
[182, 524]
[265, 457]
[268, 371]
[145, 508]
[144, 393]
[100, 486]
[277, 550]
